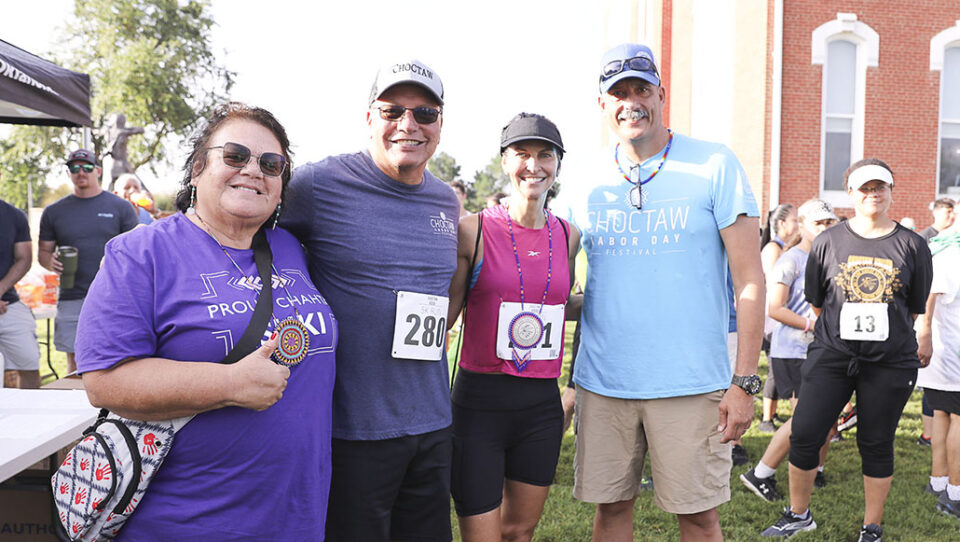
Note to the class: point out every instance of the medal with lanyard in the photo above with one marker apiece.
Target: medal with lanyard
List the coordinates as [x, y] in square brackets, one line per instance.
[293, 339]
[526, 328]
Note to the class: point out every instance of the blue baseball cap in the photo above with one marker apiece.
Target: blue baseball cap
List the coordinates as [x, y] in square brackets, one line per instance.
[628, 60]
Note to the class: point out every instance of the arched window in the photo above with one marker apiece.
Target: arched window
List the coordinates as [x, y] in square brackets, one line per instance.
[845, 48]
[945, 57]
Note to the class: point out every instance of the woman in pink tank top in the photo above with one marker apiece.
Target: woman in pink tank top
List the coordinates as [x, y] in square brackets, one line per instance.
[515, 269]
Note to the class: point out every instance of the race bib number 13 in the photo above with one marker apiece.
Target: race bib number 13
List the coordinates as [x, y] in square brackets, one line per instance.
[420, 328]
[864, 322]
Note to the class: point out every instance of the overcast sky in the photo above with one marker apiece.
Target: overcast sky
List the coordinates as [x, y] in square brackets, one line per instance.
[496, 58]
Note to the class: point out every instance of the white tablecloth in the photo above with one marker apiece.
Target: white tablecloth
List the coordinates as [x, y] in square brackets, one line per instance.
[36, 423]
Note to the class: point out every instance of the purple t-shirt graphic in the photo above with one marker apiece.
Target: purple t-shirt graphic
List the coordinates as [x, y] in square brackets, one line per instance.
[169, 291]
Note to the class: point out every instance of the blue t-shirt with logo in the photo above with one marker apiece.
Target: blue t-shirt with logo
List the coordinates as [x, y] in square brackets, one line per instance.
[656, 306]
[369, 238]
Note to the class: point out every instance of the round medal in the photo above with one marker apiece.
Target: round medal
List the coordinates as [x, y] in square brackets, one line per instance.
[293, 342]
[526, 330]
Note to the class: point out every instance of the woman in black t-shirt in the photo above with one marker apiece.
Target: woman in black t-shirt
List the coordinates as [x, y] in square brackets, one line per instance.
[867, 278]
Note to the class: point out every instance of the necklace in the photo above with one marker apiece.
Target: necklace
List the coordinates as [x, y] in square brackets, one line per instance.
[294, 340]
[635, 193]
[526, 328]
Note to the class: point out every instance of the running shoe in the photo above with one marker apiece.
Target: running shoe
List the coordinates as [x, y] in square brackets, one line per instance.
[765, 488]
[767, 426]
[790, 524]
[847, 420]
[924, 440]
[646, 483]
[820, 481]
[739, 455]
[948, 506]
[929, 489]
[871, 533]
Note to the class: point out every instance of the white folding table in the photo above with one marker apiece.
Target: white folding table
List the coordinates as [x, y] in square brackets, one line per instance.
[35, 424]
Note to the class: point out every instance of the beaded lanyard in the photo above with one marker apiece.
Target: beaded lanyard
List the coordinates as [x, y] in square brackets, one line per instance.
[635, 193]
[526, 328]
[294, 339]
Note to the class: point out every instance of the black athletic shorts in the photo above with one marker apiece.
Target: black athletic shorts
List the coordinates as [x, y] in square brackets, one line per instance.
[503, 427]
[786, 376]
[393, 489]
[947, 401]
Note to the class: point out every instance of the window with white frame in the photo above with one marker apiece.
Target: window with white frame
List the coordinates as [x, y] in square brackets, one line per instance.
[840, 91]
[950, 123]
[945, 56]
[845, 47]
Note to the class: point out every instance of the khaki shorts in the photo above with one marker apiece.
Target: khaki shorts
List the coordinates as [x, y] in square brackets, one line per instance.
[65, 324]
[691, 467]
[19, 349]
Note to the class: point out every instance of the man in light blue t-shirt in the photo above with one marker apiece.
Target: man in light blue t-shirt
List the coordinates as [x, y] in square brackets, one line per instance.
[662, 217]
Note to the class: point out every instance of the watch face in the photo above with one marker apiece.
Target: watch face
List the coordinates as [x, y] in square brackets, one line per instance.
[750, 384]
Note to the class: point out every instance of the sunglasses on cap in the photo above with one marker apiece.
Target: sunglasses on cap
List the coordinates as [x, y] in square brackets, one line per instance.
[421, 114]
[77, 168]
[236, 155]
[637, 63]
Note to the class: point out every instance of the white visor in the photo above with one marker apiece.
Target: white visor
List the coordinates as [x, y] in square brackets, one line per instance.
[871, 172]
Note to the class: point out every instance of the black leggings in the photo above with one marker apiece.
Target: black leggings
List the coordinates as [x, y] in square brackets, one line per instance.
[882, 392]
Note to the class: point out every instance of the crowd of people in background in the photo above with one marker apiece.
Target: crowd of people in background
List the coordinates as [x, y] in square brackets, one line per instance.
[365, 260]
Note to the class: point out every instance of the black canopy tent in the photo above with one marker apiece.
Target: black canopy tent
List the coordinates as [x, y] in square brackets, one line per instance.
[37, 91]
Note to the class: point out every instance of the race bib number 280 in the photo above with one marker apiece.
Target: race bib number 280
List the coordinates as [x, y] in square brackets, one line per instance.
[420, 328]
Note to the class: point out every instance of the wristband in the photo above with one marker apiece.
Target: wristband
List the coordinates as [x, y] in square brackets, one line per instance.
[809, 325]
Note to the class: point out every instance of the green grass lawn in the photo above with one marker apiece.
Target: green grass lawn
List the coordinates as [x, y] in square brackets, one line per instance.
[838, 509]
[57, 359]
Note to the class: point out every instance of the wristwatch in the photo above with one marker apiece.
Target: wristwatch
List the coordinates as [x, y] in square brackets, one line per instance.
[749, 383]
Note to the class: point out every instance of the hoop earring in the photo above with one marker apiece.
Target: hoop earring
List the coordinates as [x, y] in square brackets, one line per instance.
[276, 217]
[193, 200]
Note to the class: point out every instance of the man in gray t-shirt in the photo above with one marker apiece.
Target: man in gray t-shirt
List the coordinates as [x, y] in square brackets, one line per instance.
[86, 220]
[381, 234]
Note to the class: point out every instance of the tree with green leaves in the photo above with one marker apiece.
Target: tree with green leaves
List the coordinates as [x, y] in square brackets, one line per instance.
[487, 182]
[444, 167]
[27, 156]
[149, 59]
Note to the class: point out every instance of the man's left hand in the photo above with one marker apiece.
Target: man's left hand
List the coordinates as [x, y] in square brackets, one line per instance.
[736, 413]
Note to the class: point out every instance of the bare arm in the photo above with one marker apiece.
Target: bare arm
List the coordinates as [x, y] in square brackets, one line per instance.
[22, 253]
[466, 240]
[925, 331]
[769, 256]
[741, 240]
[777, 297]
[575, 301]
[47, 258]
[160, 389]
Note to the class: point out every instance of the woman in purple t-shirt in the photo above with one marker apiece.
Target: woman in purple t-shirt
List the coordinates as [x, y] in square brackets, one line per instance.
[507, 418]
[170, 302]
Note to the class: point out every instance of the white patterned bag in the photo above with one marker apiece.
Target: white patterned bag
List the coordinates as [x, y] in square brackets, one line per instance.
[103, 478]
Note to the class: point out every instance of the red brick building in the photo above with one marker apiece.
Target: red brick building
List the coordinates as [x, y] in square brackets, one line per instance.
[838, 81]
[864, 79]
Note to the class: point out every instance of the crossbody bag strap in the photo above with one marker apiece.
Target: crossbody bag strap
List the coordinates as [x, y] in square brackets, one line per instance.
[250, 340]
[466, 293]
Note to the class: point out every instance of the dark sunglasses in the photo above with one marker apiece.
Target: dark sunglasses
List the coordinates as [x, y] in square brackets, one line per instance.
[77, 168]
[422, 114]
[236, 155]
[637, 63]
